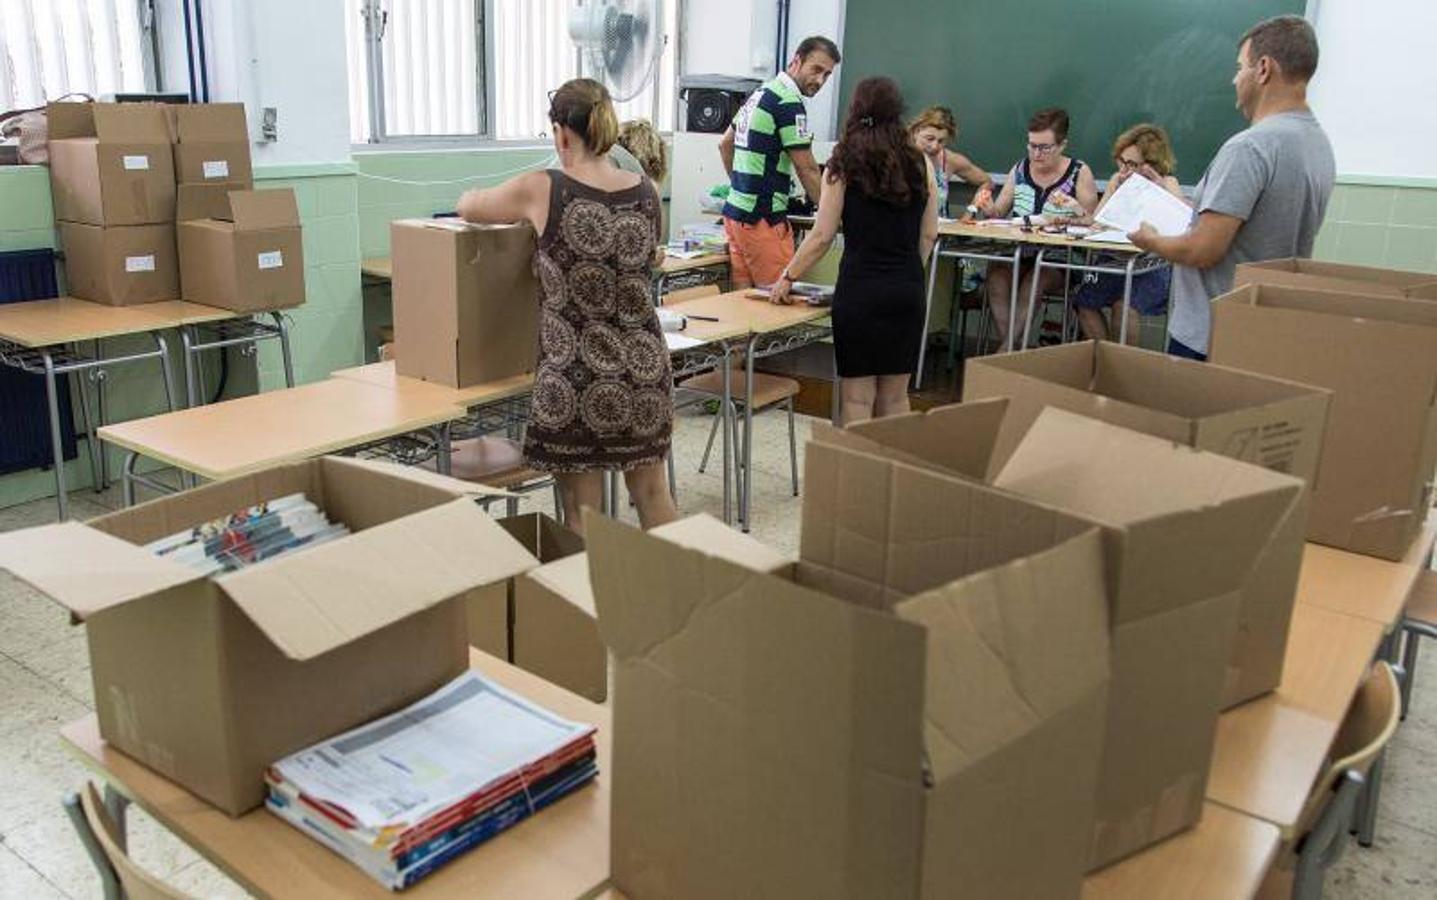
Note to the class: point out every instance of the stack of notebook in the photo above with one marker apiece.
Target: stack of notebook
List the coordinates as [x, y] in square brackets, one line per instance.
[264, 531]
[405, 794]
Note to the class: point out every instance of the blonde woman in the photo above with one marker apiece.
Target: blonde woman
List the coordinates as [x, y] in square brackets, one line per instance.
[640, 143]
[601, 388]
[933, 130]
[1145, 152]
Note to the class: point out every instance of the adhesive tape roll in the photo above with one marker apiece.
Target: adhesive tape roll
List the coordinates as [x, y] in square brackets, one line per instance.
[672, 321]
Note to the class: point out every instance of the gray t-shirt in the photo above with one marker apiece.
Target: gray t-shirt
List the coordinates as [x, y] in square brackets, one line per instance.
[1276, 176]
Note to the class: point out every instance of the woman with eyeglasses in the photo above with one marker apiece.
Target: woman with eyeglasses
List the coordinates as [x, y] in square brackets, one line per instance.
[1048, 183]
[600, 400]
[1142, 151]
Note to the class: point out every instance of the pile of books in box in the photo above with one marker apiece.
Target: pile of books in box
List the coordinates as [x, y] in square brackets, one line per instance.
[405, 794]
[260, 532]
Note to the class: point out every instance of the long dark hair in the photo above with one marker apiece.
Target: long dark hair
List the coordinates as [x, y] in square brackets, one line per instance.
[876, 152]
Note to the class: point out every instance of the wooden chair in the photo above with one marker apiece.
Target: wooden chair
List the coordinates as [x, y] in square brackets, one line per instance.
[134, 883]
[1328, 815]
[498, 462]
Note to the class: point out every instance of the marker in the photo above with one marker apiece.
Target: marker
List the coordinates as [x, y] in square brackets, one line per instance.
[702, 318]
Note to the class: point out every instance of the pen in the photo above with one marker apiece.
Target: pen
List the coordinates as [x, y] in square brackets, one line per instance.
[702, 318]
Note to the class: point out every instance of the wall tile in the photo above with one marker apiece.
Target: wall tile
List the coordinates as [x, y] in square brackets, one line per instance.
[1415, 206]
[1411, 248]
[1361, 244]
[26, 205]
[1368, 205]
[27, 239]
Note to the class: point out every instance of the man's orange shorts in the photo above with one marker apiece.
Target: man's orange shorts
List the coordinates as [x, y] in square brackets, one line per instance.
[757, 253]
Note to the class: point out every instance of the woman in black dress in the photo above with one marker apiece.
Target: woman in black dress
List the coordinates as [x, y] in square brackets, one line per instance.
[879, 187]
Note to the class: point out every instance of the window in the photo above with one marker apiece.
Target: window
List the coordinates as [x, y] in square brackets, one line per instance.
[49, 48]
[473, 69]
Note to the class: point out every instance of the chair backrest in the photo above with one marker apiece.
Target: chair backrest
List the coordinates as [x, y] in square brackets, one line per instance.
[1370, 723]
[137, 883]
[703, 290]
[386, 352]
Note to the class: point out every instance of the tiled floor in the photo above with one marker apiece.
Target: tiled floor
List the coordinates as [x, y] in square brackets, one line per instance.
[45, 682]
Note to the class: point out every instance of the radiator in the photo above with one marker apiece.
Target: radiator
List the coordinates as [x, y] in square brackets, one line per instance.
[24, 416]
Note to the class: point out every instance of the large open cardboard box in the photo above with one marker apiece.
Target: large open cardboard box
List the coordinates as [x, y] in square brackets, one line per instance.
[1378, 355]
[209, 680]
[913, 709]
[1182, 529]
[1255, 418]
[465, 302]
[1328, 276]
[211, 144]
[250, 260]
[111, 163]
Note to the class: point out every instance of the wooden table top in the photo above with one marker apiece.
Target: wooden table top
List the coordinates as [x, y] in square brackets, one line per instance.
[1014, 234]
[741, 314]
[236, 437]
[381, 267]
[672, 264]
[63, 320]
[561, 852]
[383, 374]
[1364, 586]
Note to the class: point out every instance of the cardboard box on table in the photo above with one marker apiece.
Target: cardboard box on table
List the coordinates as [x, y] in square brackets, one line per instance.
[1328, 276]
[111, 163]
[121, 265]
[211, 142]
[1378, 356]
[251, 260]
[1182, 529]
[209, 680]
[465, 301]
[1255, 418]
[913, 709]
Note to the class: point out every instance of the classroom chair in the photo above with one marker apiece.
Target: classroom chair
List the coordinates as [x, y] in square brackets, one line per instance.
[134, 883]
[1419, 620]
[1329, 813]
[498, 462]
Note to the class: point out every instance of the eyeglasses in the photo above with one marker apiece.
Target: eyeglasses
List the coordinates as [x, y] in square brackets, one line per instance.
[1041, 149]
[1130, 164]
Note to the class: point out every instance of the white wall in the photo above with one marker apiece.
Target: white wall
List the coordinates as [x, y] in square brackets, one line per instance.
[1374, 87]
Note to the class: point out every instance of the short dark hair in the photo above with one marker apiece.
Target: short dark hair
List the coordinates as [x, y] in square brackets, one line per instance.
[809, 44]
[1055, 118]
[1288, 41]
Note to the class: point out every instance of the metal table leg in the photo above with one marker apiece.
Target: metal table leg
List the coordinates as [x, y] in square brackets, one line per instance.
[283, 324]
[1013, 294]
[927, 311]
[1127, 299]
[57, 450]
[101, 417]
[127, 478]
[109, 881]
[726, 410]
[188, 339]
[87, 423]
[746, 482]
[1033, 292]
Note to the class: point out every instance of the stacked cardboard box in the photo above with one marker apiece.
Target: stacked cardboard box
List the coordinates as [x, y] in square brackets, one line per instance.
[113, 181]
[1268, 421]
[1378, 356]
[1326, 276]
[241, 250]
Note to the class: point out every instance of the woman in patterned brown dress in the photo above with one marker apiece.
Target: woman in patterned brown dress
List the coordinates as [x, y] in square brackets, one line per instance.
[601, 389]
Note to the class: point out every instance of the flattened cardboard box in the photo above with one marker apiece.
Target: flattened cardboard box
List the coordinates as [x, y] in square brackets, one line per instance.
[921, 718]
[251, 262]
[211, 144]
[465, 307]
[1327, 276]
[120, 265]
[1378, 355]
[111, 163]
[209, 680]
[1266, 421]
[1182, 529]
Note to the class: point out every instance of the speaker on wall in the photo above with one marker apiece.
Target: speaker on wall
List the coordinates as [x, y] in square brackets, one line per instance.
[713, 100]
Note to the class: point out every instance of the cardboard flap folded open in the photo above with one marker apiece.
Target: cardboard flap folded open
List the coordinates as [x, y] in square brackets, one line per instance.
[66, 120]
[254, 210]
[705, 533]
[131, 122]
[423, 476]
[86, 570]
[1366, 307]
[210, 200]
[569, 578]
[211, 122]
[958, 438]
[326, 596]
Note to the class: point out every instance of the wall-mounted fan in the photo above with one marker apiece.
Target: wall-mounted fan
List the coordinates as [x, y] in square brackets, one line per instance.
[619, 43]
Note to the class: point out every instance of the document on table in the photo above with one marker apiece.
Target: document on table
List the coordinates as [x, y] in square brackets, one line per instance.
[409, 765]
[679, 342]
[1109, 237]
[1139, 201]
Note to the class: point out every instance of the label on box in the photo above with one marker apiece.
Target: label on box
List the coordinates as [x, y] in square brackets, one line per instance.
[137, 163]
[271, 260]
[139, 264]
[217, 168]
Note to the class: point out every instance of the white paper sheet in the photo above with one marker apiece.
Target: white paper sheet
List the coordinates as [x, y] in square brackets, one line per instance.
[1109, 237]
[679, 342]
[1139, 201]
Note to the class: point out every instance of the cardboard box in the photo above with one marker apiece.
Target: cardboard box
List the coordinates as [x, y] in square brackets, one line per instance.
[211, 144]
[920, 717]
[465, 302]
[1182, 529]
[120, 265]
[1326, 276]
[1255, 418]
[250, 261]
[110, 163]
[1378, 355]
[209, 680]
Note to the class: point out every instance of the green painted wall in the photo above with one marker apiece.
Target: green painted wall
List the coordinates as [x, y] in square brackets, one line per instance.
[1394, 226]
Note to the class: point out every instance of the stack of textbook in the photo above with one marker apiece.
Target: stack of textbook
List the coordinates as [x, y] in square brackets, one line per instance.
[264, 531]
[405, 794]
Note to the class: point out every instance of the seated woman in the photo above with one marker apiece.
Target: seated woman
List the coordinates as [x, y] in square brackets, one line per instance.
[1046, 182]
[640, 150]
[933, 130]
[1144, 151]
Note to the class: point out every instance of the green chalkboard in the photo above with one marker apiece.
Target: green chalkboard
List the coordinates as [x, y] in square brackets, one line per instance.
[1110, 63]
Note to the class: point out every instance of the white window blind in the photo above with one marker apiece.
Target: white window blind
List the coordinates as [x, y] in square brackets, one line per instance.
[49, 48]
[432, 56]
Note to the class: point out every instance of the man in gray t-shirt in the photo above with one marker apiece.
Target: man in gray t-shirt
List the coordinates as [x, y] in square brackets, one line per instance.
[1264, 194]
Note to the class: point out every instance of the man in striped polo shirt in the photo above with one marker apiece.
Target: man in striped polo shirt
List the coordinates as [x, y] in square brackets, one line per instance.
[766, 146]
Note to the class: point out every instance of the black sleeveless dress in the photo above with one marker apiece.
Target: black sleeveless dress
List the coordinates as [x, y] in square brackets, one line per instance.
[601, 389]
[878, 303]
